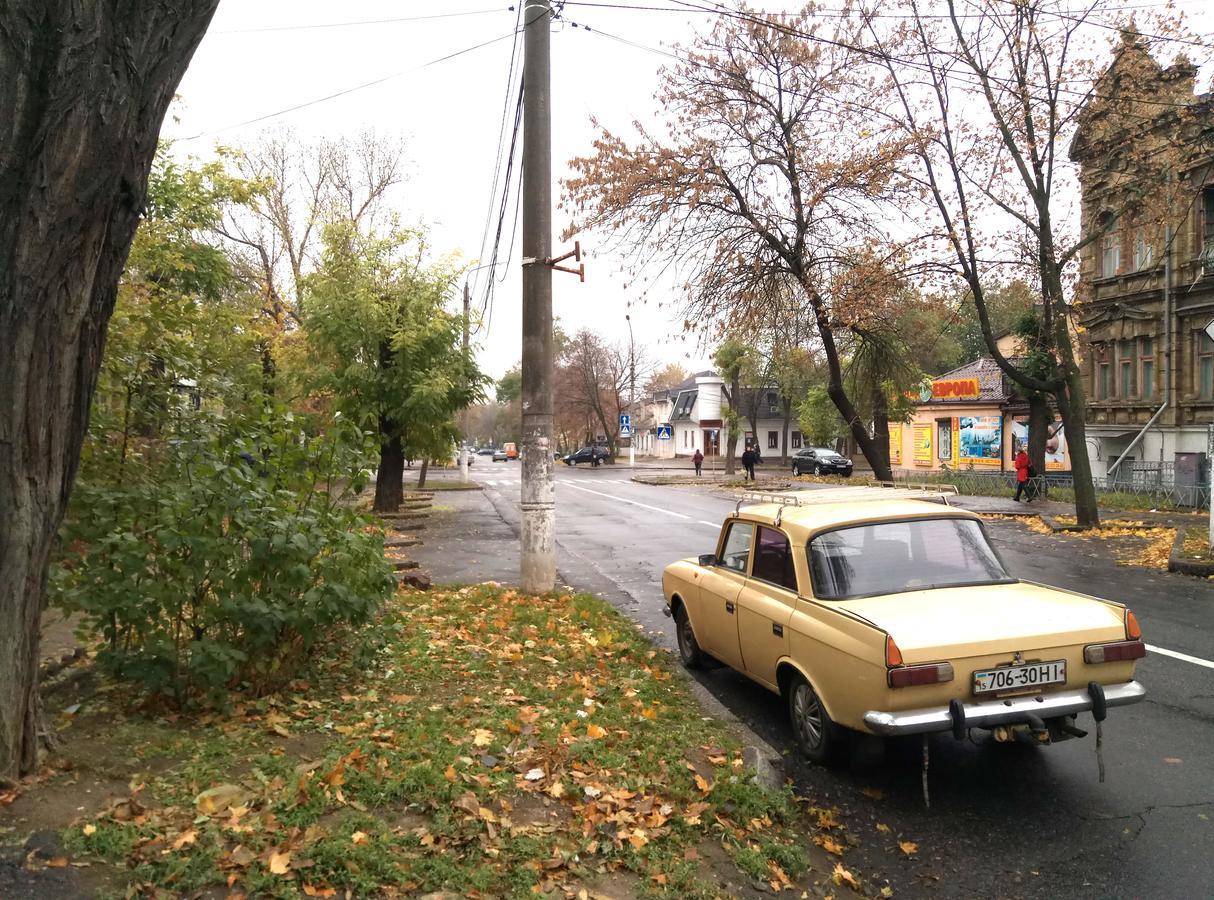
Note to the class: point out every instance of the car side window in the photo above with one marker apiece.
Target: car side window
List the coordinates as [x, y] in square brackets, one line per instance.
[736, 551]
[773, 560]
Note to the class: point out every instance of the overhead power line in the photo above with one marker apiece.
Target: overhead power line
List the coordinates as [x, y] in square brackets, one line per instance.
[346, 91]
[357, 22]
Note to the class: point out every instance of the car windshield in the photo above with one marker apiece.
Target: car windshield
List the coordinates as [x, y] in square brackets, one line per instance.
[895, 557]
[822, 451]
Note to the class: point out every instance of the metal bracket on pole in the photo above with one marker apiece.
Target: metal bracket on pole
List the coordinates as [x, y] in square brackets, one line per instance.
[576, 253]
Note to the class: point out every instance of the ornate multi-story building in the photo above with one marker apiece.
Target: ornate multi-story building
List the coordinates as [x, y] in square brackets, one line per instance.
[1145, 150]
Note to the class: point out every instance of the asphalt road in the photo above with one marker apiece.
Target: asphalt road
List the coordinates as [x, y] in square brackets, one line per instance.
[1005, 820]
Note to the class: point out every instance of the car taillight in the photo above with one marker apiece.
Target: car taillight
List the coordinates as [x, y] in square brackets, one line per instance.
[1132, 631]
[1115, 652]
[932, 673]
[893, 656]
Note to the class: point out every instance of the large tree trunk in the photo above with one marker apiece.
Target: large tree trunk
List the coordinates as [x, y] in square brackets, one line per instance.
[390, 479]
[881, 430]
[1039, 423]
[84, 87]
[1072, 408]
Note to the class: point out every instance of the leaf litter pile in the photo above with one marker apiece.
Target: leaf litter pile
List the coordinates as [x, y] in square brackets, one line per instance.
[498, 745]
[1130, 542]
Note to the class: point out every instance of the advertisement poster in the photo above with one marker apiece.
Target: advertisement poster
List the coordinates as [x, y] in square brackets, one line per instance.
[1055, 442]
[981, 440]
[895, 445]
[923, 445]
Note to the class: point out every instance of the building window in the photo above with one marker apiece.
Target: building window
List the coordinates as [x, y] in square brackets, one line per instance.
[1146, 371]
[1144, 253]
[1110, 247]
[795, 440]
[1125, 363]
[1207, 250]
[773, 440]
[1104, 374]
[1205, 366]
[773, 401]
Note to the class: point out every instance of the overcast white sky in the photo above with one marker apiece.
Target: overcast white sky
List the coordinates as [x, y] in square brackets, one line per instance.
[261, 57]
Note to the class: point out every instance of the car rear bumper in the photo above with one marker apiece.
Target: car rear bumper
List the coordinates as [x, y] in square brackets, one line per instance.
[987, 713]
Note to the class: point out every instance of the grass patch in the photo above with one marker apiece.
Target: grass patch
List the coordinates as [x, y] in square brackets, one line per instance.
[443, 484]
[1196, 546]
[500, 743]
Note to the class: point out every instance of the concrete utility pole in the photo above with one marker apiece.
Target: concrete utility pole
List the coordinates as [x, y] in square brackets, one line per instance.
[632, 391]
[538, 557]
[463, 438]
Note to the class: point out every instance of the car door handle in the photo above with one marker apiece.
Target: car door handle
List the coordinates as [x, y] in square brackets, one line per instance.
[728, 606]
[777, 630]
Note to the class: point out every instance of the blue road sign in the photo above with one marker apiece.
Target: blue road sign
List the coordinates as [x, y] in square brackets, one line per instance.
[665, 432]
[625, 425]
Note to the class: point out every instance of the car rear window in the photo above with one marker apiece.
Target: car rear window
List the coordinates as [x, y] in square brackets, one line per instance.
[895, 557]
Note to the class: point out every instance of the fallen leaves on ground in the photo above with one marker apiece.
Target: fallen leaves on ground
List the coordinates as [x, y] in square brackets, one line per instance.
[495, 742]
[1130, 542]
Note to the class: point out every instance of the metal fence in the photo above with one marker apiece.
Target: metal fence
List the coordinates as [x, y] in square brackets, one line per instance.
[1150, 481]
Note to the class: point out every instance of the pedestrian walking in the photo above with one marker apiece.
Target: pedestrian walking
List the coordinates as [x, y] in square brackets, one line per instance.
[748, 463]
[698, 460]
[1022, 475]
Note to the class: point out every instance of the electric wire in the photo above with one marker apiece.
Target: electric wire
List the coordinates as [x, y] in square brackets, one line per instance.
[357, 22]
[510, 92]
[346, 91]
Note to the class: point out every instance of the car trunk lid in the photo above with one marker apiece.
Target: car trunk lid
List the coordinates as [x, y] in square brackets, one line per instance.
[957, 622]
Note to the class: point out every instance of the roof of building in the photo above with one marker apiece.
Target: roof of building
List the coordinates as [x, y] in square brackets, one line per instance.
[682, 407]
[992, 387]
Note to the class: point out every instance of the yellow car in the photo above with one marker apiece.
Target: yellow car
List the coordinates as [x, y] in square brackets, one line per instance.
[873, 610]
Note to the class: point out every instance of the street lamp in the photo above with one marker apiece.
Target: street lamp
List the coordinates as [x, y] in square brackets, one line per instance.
[632, 388]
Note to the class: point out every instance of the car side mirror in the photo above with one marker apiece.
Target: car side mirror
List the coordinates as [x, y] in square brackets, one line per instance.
[708, 559]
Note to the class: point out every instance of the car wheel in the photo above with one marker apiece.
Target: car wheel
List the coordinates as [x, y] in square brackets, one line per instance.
[796, 470]
[820, 739]
[689, 648]
[817, 469]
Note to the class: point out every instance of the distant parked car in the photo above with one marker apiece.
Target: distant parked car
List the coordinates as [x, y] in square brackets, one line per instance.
[820, 461]
[500, 455]
[592, 455]
[485, 451]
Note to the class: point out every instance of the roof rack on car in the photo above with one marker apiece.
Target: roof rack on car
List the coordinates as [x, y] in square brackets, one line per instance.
[877, 491]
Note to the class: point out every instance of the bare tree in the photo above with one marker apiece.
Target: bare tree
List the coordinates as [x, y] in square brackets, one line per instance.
[85, 89]
[303, 187]
[771, 168]
[993, 94]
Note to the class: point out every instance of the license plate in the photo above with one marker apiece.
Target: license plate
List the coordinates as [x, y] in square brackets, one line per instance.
[1019, 678]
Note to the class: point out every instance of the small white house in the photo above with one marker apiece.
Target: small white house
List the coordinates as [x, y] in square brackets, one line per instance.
[696, 410]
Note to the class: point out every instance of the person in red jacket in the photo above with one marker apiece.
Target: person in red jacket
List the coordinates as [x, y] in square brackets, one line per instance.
[1022, 474]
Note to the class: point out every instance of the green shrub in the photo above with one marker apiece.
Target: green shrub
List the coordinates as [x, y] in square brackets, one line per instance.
[219, 554]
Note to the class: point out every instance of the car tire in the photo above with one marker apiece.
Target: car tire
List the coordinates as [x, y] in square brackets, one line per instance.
[816, 734]
[689, 648]
[796, 471]
[817, 469]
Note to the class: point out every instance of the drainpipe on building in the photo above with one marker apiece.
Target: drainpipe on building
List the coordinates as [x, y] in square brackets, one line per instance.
[1167, 351]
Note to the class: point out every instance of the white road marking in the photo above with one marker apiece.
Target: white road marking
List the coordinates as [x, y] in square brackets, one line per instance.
[716, 525]
[1195, 660]
[669, 512]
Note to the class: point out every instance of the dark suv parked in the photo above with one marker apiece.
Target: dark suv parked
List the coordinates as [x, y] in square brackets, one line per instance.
[820, 461]
[592, 455]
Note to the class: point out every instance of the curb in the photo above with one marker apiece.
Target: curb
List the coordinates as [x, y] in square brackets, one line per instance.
[1178, 563]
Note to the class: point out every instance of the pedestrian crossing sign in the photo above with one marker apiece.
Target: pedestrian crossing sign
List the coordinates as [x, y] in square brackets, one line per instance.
[665, 432]
[625, 425]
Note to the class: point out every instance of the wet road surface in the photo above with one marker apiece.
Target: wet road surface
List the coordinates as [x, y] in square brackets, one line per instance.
[1005, 820]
